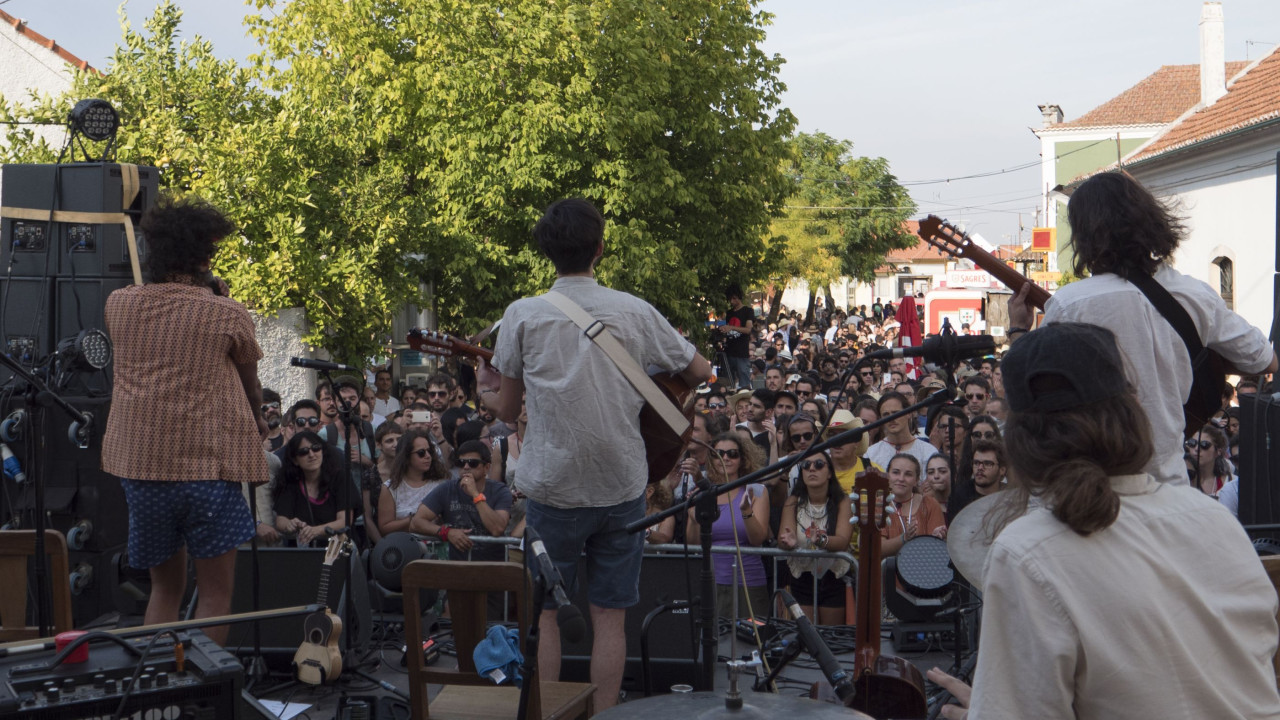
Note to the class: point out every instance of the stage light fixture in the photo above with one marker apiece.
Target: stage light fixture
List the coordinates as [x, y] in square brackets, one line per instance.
[88, 350]
[95, 119]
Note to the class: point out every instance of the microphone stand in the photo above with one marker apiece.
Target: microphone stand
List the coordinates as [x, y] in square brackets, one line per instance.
[530, 668]
[38, 396]
[349, 415]
[705, 506]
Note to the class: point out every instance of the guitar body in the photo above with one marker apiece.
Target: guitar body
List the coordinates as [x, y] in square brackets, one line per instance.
[662, 446]
[318, 660]
[893, 689]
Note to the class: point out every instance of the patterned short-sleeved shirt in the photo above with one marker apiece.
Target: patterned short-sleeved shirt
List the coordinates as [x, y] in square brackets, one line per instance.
[179, 410]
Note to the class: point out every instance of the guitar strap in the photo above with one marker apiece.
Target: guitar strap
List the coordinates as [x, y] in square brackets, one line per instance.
[600, 335]
[1177, 316]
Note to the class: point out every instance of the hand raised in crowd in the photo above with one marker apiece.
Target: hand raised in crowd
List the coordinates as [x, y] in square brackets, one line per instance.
[467, 484]
[959, 690]
[748, 498]
[689, 466]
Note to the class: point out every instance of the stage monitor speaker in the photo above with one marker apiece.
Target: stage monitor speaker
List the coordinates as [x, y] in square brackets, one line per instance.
[71, 249]
[287, 577]
[1259, 462]
[672, 639]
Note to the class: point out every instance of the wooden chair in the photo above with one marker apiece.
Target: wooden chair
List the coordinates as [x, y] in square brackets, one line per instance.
[16, 546]
[468, 694]
[1272, 565]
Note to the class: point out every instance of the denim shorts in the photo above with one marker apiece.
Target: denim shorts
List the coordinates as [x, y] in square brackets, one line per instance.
[209, 516]
[613, 555]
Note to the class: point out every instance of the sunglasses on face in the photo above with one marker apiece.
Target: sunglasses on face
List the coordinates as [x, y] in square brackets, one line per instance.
[802, 437]
[305, 450]
[804, 393]
[717, 406]
[470, 463]
[306, 422]
[985, 434]
[270, 406]
[976, 396]
[813, 465]
[421, 453]
[1204, 444]
[731, 453]
[437, 393]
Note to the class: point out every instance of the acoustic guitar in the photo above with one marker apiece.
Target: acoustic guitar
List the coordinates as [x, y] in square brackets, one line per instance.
[318, 660]
[662, 445]
[1209, 369]
[887, 686]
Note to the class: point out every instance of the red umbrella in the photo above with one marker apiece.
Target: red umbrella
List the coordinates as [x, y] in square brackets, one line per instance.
[909, 335]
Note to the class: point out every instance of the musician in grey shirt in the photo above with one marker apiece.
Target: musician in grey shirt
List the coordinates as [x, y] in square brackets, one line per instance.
[582, 464]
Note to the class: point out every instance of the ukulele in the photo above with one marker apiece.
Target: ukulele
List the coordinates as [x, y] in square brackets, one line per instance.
[951, 240]
[887, 686]
[318, 660]
[662, 445]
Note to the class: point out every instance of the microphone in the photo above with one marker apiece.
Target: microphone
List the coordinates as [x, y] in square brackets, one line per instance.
[322, 365]
[944, 349]
[568, 616]
[819, 651]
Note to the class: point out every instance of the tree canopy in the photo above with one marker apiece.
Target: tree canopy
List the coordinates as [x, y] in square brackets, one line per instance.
[842, 216]
[374, 146]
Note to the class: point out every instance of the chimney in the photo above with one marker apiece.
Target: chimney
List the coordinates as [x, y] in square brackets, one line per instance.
[1052, 114]
[1213, 58]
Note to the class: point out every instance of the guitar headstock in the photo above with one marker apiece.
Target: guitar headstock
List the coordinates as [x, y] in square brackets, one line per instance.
[871, 498]
[338, 547]
[944, 236]
[430, 342]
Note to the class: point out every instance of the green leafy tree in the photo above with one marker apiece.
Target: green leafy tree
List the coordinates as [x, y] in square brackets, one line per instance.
[375, 146]
[843, 215]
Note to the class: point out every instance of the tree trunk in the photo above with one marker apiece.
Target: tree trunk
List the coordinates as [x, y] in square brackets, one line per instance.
[775, 303]
[808, 311]
[831, 301]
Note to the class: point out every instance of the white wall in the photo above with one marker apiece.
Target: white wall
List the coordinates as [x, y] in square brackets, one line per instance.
[280, 338]
[25, 67]
[1232, 215]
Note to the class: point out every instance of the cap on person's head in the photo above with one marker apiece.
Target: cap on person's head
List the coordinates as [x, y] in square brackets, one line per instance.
[794, 377]
[1062, 366]
[785, 354]
[842, 420]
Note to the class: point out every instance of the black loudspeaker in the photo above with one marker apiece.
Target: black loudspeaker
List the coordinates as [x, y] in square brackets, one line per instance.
[39, 248]
[1259, 462]
[287, 577]
[672, 639]
[26, 305]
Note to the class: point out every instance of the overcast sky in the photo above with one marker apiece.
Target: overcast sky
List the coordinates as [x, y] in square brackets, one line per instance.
[941, 88]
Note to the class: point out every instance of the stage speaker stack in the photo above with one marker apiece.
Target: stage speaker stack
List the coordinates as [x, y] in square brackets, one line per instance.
[1259, 462]
[57, 275]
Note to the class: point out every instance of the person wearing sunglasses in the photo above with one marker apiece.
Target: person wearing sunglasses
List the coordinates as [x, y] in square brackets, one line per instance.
[743, 521]
[275, 422]
[1208, 450]
[976, 390]
[414, 473]
[816, 517]
[471, 505]
[307, 490]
